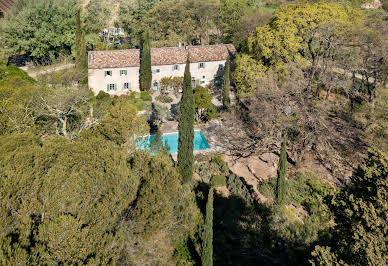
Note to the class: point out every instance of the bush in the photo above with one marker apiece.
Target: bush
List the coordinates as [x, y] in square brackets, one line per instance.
[145, 96]
[218, 181]
[209, 165]
[268, 188]
[385, 6]
[164, 99]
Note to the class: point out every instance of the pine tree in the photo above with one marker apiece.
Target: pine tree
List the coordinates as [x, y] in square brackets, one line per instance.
[226, 87]
[145, 65]
[81, 60]
[281, 181]
[186, 128]
[207, 248]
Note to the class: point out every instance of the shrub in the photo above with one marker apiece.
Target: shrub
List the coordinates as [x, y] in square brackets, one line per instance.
[268, 188]
[238, 188]
[182, 253]
[385, 6]
[164, 99]
[218, 160]
[207, 166]
[145, 96]
[218, 181]
[134, 95]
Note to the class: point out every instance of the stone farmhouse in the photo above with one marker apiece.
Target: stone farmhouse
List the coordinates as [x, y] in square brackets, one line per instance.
[117, 71]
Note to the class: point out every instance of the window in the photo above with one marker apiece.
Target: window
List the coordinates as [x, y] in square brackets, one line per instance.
[220, 67]
[108, 73]
[155, 85]
[157, 70]
[202, 82]
[175, 67]
[201, 65]
[111, 87]
[126, 86]
[123, 72]
[203, 77]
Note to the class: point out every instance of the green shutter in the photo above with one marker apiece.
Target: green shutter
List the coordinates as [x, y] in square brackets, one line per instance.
[107, 87]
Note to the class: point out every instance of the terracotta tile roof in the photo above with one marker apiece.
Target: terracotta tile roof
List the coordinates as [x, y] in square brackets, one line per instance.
[160, 56]
[115, 58]
[6, 5]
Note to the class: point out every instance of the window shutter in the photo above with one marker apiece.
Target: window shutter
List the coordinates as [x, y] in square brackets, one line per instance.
[115, 86]
[104, 73]
[107, 87]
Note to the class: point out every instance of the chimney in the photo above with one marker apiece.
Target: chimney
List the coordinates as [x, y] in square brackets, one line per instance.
[179, 45]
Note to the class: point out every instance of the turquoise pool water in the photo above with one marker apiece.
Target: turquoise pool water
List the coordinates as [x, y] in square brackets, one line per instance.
[200, 142]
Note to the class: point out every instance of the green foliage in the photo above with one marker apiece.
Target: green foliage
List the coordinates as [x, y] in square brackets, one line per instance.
[238, 188]
[145, 96]
[186, 128]
[97, 16]
[43, 29]
[64, 200]
[231, 12]
[209, 165]
[218, 181]
[145, 65]
[305, 189]
[81, 60]
[14, 77]
[19, 98]
[281, 185]
[165, 211]
[204, 109]
[385, 5]
[324, 256]
[247, 74]
[121, 123]
[63, 78]
[373, 122]
[174, 21]
[360, 213]
[226, 87]
[282, 40]
[182, 253]
[164, 99]
[207, 242]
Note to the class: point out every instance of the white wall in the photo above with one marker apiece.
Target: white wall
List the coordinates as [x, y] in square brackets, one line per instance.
[210, 71]
[98, 81]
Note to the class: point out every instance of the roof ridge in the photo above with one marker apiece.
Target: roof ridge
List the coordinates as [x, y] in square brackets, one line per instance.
[168, 47]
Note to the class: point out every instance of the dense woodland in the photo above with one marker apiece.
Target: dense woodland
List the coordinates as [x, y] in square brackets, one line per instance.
[308, 85]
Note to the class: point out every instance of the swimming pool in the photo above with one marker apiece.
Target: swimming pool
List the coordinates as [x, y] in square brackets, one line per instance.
[200, 142]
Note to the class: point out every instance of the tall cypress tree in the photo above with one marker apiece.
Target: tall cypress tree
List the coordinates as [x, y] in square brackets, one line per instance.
[207, 247]
[145, 65]
[226, 87]
[281, 180]
[81, 60]
[186, 128]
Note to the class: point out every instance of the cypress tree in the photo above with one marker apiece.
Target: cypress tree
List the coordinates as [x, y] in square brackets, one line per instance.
[81, 60]
[145, 65]
[226, 87]
[207, 248]
[281, 180]
[186, 128]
